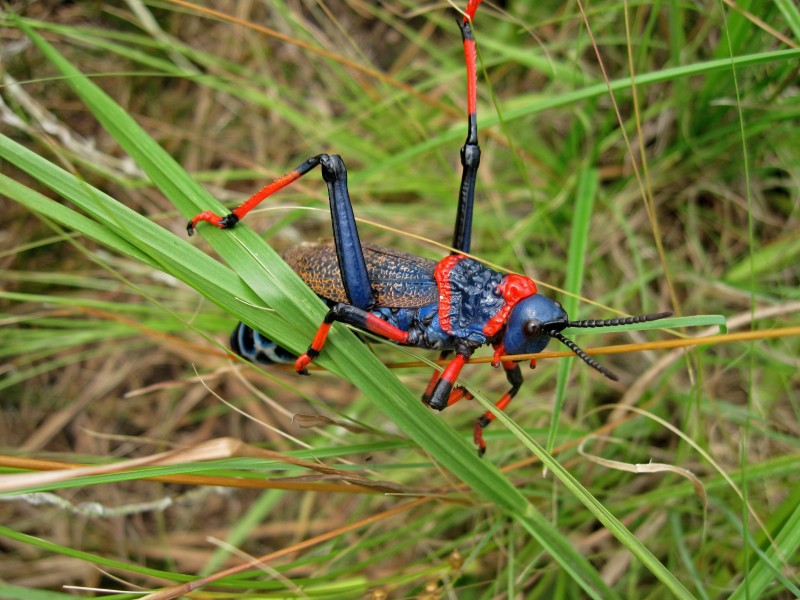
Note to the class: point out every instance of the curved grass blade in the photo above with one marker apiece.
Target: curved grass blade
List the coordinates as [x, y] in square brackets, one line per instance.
[588, 182]
[617, 529]
[252, 260]
[535, 104]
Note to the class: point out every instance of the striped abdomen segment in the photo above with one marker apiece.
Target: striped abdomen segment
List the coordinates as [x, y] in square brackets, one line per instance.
[253, 346]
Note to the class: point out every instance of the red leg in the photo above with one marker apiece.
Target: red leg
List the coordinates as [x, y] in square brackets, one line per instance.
[470, 152]
[458, 393]
[230, 220]
[514, 376]
[350, 256]
[440, 398]
[346, 313]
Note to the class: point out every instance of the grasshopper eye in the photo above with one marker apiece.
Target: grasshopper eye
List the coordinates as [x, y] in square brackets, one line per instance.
[532, 328]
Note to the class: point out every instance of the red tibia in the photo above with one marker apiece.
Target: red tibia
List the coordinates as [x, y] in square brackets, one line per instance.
[247, 205]
[319, 339]
[470, 58]
[472, 6]
[477, 432]
[472, 76]
[384, 329]
[208, 217]
[477, 437]
[266, 191]
[514, 288]
[452, 370]
[313, 351]
[457, 394]
[501, 405]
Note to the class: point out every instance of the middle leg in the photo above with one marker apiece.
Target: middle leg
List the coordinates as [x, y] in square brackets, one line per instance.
[444, 394]
[458, 393]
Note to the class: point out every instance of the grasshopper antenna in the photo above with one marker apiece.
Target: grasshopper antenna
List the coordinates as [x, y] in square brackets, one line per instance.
[602, 323]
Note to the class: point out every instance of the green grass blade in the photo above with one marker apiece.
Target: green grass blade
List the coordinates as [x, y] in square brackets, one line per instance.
[87, 556]
[770, 563]
[585, 193]
[535, 104]
[791, 13]
[280, 289]
[240, 96]
[17, 592]
[617, 529]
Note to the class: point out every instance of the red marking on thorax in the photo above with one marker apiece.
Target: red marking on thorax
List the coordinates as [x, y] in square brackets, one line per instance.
[442, 276]
[514, 288]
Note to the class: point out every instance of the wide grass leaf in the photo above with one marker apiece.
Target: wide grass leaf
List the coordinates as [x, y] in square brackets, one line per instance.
[259, 275]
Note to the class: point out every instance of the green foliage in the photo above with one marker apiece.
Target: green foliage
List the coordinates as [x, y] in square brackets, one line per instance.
[105, 296]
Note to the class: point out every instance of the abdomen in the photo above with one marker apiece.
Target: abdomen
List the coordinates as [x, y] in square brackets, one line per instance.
[403, 284]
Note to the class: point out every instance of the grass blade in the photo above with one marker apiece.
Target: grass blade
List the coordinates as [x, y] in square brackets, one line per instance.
[586, 190]
[280, 289]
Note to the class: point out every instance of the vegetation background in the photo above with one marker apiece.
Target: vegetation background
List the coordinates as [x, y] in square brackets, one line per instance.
[657, 171]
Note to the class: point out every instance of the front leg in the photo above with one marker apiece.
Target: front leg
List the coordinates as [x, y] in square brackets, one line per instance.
[514, 376]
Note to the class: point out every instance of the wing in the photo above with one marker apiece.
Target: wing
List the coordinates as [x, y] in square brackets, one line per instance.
[399, 280]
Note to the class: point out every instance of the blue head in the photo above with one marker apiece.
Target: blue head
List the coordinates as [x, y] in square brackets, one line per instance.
[530, 323]
[536, 319]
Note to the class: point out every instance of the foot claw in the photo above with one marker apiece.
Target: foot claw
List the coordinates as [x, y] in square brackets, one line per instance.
[477, 437]
[301, 363]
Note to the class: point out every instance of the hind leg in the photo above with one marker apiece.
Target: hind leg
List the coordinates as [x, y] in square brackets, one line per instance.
[352, 315]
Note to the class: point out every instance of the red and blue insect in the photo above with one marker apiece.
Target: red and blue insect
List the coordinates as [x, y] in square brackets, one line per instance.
[454, 305]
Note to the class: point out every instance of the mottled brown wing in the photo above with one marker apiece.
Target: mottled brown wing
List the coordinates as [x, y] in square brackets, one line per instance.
[399, 280]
